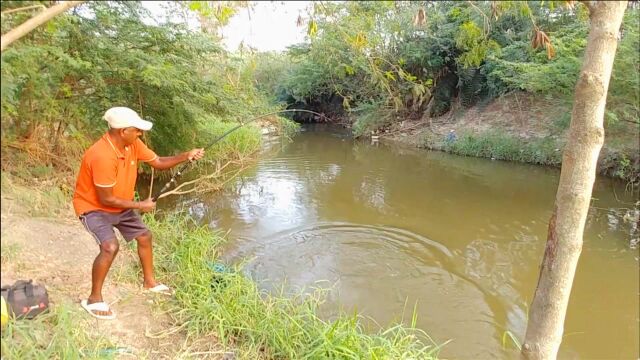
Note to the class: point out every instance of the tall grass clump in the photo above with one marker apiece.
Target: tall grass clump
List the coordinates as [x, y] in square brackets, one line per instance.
[369, 117]
[500, 146]
[61, 333]
[242, 142]
[237, 145]
[287, 127]
[257, 323]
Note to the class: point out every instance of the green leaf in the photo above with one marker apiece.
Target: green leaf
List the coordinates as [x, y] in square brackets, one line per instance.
[349, 70]
[313, 28]
[525, 11]
[389, 75]
[345, 103]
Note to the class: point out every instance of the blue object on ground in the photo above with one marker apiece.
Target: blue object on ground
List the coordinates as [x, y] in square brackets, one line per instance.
[451, 137]
[217, 267]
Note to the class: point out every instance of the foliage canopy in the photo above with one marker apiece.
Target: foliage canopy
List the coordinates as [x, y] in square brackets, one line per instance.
[391, 57]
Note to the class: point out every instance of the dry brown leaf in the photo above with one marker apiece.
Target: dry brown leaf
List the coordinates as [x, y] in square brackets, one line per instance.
[535, 39]
[551, 52]
[540, 39]
[420, 19]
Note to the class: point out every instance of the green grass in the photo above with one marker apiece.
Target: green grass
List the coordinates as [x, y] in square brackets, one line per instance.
[500, 146]
[126, 269]
[42, 199]
[256, 323]
[60, 333]
[241, 143]
[9, 252]
[508, 335]
[287, 127]
[370, 117]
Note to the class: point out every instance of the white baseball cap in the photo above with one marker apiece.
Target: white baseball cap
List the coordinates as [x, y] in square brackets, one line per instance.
[122, 117]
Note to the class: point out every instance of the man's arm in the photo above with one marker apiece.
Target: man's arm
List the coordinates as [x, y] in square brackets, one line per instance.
[106, 197]
[167, 162]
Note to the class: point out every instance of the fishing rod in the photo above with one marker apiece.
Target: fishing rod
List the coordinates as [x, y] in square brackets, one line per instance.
[174, 178]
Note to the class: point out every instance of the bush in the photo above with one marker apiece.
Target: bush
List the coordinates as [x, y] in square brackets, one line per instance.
[58, 81]
[499, 146]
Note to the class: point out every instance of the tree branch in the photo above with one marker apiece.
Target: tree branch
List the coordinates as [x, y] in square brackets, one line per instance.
[34, 22]
[217, 186]
[177, 191]
[23, 8]
[486, 22]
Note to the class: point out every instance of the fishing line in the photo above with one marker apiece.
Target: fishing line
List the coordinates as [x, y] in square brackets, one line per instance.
[174, 179]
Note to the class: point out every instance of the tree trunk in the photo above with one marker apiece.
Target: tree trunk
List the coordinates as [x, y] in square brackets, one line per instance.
[24, 28]
[566, 226]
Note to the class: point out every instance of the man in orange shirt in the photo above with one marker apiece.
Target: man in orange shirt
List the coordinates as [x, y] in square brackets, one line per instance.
[103, 199]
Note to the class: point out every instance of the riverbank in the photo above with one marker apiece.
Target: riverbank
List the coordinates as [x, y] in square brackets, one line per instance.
[518, 127]
[216, 312]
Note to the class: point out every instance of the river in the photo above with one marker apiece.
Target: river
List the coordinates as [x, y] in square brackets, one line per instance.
[458, 238]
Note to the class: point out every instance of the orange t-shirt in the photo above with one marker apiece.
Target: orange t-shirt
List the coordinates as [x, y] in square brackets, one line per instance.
[105, 166]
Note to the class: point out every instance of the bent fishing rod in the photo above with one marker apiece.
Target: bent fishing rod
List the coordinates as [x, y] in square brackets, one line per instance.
[174, 179]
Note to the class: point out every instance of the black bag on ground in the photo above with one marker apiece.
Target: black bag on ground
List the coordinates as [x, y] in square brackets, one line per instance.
[25, 300]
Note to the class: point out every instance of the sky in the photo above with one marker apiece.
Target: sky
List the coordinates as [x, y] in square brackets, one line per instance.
[267, 26]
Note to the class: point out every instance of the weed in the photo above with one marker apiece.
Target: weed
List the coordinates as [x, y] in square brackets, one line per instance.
[370, 117]
[126, 269]
[563, 122]
[287, 127]
[9, 251]
[624, 167]
[508, 335]
[499, 146]
[60, 333]
[237, 145]
[257, 322]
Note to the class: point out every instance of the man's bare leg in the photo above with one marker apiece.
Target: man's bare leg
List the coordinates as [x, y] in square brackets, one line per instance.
[101, 266]
[145, 252]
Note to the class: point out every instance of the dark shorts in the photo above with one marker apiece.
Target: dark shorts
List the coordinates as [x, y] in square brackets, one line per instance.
[100, 224]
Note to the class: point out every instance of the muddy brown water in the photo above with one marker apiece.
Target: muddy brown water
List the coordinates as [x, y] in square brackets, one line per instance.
[458, 238]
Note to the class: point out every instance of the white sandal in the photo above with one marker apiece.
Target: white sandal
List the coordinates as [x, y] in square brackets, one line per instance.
[99, 306]
[160, 289]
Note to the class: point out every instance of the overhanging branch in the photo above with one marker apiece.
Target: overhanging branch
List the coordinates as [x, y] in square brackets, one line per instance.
[26, 27]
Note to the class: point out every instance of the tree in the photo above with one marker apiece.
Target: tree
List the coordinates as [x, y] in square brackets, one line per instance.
[36, 21]
[58, 81]
[566, 226]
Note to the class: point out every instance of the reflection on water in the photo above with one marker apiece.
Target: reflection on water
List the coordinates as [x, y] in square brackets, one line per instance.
[461, 238]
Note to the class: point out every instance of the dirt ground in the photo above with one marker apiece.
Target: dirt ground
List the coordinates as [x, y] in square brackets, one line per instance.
[59, 253]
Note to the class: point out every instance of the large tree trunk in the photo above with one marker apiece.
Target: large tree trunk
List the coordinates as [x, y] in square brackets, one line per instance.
[566, 226]
[36, 21]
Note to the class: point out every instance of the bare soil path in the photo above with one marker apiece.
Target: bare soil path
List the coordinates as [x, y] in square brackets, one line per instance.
[59, 253]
